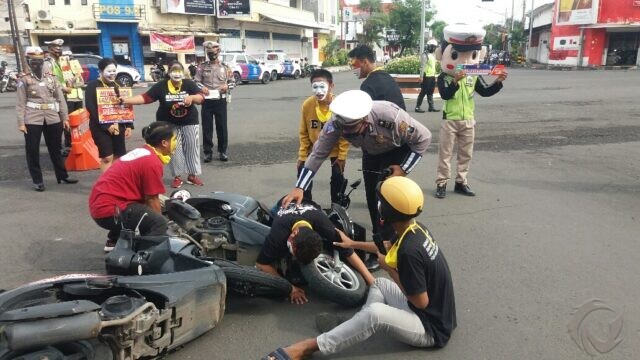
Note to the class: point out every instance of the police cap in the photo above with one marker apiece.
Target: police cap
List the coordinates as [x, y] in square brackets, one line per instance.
[350, 107]
[56, 42]
[208, 45]
[464, 37]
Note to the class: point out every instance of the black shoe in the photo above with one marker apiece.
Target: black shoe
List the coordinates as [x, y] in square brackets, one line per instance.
[208, 158]
[441, 191]
[224, 157]
[68, 181]
[38, 187]
[418, 110]
[109, 245]
[327, 321]
[463, 189]
[372, 263]
[433, 110]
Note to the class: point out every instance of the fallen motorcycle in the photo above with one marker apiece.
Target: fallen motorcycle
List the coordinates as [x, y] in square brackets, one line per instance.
[232, 227]
[98, 317]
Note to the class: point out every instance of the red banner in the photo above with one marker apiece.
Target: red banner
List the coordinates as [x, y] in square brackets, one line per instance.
[172, 44]
[636, 2]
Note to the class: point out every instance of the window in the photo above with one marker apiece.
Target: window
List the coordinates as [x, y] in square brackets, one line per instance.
[83, 2]
[52, 2]
[67, 2]
[241, 59]
[227, 58]
[252, 60]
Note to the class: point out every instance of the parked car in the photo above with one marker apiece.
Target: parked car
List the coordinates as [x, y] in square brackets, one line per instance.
[285, 65]
[127, 75]
[245, 68]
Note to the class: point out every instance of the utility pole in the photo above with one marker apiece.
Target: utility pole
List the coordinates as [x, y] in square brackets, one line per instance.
[422, 21]
[530, 31]
[15, 35]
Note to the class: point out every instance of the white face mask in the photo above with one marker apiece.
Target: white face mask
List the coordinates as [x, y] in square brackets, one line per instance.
[320, 89]
[176, 75]
[357, 72]
[109, 73]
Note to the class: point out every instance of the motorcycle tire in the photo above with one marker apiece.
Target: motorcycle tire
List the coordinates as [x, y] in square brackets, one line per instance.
[87, 349]
[247, 280]
[345, 287]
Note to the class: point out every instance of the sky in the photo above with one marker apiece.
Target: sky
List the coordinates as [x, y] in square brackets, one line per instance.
[480, 12]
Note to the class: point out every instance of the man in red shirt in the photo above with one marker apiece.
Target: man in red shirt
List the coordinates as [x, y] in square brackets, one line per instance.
[133, 185]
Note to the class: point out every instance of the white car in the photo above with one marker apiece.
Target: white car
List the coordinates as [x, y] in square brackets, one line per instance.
[245, 68]
[127, 75]
[286, 67]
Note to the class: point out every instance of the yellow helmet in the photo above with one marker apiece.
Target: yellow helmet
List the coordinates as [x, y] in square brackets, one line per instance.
[401, 199]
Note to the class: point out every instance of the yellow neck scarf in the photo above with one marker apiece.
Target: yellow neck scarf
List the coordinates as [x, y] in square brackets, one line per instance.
[325, 115]
[392, 255]
[173, 90]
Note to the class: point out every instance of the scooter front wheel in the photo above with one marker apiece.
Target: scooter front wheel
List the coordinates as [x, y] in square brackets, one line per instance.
[340, 284]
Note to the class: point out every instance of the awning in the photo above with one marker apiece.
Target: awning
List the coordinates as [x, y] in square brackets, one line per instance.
[298, 22]
[179, 33]
[69, 32]
[613, 26]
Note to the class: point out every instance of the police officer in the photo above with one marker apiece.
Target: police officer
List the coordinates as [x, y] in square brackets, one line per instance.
[52, 67]
[41, 108]
[388, 136]
[428, 78]
[213, 74]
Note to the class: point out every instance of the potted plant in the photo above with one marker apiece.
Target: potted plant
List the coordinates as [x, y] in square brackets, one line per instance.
[407, 74]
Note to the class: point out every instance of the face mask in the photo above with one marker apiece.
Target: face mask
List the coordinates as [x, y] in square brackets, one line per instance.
[176, 75]
[36, 67]
[109, 73]
[320, 89]
[212, 55]
[357, 72]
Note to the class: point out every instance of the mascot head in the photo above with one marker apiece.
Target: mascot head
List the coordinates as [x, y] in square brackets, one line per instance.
[462, 44]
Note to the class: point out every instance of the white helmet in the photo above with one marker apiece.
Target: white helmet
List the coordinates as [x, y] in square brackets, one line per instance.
[350, 107]
[432, 42]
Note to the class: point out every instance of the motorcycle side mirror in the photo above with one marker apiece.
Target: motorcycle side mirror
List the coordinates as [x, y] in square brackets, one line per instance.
[356, 183]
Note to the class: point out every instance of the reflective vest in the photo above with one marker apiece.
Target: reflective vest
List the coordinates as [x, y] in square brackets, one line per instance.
[461, 106]
[430, 66]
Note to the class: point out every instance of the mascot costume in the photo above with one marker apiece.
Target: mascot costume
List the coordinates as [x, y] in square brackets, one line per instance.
[460, 50]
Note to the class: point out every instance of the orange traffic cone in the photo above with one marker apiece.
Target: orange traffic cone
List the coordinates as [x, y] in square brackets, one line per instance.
[84, 152]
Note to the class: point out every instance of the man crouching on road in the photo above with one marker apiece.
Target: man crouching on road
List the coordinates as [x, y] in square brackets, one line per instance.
[417, 306]
[301, 231]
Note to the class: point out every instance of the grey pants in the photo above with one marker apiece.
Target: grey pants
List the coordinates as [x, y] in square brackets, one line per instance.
[186, 158]
[386, 310]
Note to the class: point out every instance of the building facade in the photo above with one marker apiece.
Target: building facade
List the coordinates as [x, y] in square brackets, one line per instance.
[587, 33]
[121, 28]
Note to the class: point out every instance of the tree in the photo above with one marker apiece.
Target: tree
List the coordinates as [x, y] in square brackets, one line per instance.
[374, 22]
[437, 29]
[405, 19]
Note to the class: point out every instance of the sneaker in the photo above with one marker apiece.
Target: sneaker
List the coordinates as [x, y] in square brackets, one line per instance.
[463, 189]
[208, 158]
[433, 110]
[224, 157]
[418, 110]
[109, 245]
[372, 263]
[441, 191]
[194, 180]
[177, 182]
[327, 321]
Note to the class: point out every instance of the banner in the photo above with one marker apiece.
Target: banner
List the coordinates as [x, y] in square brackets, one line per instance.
[197, 7]
[119, 10]
[577, 12]
[172, 44]
[109, 109]
[234, 8]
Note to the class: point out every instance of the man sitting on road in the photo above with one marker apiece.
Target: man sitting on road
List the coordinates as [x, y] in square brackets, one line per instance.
[301, 231]
[416, 307]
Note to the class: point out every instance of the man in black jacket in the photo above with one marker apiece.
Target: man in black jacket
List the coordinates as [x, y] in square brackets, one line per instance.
[377, 82]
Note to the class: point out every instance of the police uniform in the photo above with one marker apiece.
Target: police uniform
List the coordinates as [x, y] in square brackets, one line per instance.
[213, 75]
[428, 79]
[392, 137]
[42, 109]
[458, 124]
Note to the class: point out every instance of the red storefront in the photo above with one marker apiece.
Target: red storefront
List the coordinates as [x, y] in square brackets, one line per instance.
[610, 30]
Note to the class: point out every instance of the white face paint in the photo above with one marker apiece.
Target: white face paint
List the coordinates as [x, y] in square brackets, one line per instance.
[109, 73]
[176, 75]
[320, 89]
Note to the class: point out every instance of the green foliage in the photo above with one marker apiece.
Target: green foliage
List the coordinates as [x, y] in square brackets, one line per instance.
[373, 28]
[331, 47]
[436, 29]
[404, 65]
[405, 18]
[340, 58]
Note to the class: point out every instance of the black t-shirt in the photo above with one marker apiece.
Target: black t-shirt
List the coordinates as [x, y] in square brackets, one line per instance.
[170, 108]
[381, 86]
[423, 267]
[275, 245]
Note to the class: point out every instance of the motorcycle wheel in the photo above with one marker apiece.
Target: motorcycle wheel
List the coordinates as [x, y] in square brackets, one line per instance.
[247, 280]
[87, 349]
[343, 286]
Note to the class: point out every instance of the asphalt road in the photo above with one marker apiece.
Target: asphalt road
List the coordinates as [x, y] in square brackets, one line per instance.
[555, 222]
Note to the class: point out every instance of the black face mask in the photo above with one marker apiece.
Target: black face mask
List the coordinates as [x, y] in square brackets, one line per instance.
[212, 56]
[36, 67]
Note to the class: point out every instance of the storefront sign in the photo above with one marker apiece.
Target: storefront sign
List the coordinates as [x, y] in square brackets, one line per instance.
[119, 9]
[109, 109]
[197, 7]
[577, 12]
[172, 44]
[234, 8]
